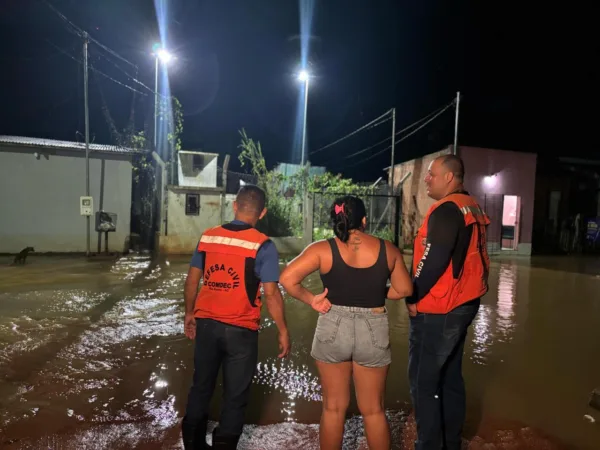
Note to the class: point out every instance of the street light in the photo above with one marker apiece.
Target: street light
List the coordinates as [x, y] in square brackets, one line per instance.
[162, 55]
[304, 76]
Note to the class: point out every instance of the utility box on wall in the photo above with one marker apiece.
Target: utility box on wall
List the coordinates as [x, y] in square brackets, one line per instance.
[86, 206]
[106, 222]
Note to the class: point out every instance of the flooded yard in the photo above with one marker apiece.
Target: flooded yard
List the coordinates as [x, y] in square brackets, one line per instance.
[92, 355]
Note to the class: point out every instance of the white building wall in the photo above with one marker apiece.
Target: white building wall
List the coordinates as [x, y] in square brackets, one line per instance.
[39, 199]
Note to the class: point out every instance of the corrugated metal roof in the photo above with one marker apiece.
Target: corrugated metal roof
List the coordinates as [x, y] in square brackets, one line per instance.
[69, 145]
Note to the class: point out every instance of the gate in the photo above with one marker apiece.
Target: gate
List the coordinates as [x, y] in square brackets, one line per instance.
[492, 205]
[383, 215]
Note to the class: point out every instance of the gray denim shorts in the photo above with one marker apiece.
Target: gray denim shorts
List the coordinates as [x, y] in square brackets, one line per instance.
[348, 333]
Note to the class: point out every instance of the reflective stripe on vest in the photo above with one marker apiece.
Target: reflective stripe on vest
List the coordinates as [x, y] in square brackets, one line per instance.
[223, 240]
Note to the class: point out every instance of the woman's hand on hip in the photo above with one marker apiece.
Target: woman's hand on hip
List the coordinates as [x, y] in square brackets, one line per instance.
[320, 303]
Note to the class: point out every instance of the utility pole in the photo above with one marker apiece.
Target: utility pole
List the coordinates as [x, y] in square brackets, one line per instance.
[155, 102]
[393, 151]
[392, 168]
[87, 133]
[303, 158]
[455, 148]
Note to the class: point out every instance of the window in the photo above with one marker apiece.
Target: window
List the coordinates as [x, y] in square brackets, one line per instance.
[198, 163]
[192, 204]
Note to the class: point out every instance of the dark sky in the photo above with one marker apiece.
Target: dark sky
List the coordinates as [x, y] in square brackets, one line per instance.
[526, 74]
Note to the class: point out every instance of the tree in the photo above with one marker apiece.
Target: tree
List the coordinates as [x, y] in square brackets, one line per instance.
[284, 216]
[146, 198]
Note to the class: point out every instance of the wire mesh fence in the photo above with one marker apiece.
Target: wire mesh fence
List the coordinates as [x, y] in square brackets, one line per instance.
[383, 215]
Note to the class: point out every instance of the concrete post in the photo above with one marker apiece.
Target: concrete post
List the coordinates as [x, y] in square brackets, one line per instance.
[307, 216]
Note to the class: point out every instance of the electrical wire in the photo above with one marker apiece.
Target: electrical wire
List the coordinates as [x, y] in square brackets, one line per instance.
[364, 150]
[371, 124]
[79, 31]
[132, 77]
[402, 138]
[94, 69]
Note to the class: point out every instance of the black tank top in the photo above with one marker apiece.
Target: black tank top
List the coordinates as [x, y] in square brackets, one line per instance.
[352, 286]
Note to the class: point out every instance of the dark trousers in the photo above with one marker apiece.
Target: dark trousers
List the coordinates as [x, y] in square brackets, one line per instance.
[437, 388]
[236, 350]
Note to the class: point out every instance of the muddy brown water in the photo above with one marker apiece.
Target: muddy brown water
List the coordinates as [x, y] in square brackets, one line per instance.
[92, 355]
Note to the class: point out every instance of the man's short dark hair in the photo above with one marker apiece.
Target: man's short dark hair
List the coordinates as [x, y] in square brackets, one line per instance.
[455, 165]
[251, 199]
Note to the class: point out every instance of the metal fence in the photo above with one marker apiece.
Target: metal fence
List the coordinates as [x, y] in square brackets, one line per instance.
[383, 215]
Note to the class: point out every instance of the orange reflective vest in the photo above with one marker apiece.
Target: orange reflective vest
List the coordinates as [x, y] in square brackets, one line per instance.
[472, 282]
[230, 291]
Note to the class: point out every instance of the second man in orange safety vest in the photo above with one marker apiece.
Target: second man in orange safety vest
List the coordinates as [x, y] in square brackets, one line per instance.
[450, 274]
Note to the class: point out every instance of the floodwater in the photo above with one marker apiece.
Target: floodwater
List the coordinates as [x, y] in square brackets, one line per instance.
[92, 355]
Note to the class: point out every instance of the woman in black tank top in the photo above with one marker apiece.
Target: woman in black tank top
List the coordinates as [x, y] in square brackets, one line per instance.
[352, 335]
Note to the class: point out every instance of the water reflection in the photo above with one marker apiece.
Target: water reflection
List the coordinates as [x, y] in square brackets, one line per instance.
[496, 321]
[105, 365]
[482, 337]
[507, 288]
[131, 266]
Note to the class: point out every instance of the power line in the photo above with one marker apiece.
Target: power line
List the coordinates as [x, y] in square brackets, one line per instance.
[71, 27]
[80, 32]
[94, 69]
[132, 77]
[414, 124]
[117, 81]
[401, 139]
[373, 123]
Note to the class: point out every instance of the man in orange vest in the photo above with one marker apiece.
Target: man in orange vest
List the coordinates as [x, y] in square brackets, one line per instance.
[450, 274]
[233, 261]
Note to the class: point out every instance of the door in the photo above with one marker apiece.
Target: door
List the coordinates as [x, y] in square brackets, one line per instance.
[511, 213]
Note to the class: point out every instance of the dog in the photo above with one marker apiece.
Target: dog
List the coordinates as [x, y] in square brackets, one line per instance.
[21, 258]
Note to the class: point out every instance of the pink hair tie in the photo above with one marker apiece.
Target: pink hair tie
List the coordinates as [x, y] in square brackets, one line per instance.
[339, 209]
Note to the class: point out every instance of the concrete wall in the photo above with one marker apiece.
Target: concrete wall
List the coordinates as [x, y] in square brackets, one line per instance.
[514, 175]
[184, 231]
[39, 199]
[415, 201]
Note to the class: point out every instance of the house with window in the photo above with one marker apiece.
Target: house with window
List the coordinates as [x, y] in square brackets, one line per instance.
[197, 201]
[502, 181]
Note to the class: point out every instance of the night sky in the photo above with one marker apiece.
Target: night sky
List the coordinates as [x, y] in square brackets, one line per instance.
[527, 74]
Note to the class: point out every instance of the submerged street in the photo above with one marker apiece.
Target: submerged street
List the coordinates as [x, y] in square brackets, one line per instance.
[92, 355]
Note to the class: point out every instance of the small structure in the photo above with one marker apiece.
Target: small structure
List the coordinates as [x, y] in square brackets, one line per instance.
[196, 203]
[42, 182]
[502, 181]
[197, 169]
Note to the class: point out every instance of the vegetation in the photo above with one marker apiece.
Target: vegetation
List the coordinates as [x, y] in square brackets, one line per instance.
[146, 200]
[285, 194]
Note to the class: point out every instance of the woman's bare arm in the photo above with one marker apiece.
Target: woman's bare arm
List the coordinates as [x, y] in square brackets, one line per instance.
[296, 271]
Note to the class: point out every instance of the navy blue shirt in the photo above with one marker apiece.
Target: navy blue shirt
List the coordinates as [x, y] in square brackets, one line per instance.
[266, 266]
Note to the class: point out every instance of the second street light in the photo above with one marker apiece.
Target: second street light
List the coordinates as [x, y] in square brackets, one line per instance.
[304, 76]
[163, 56]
